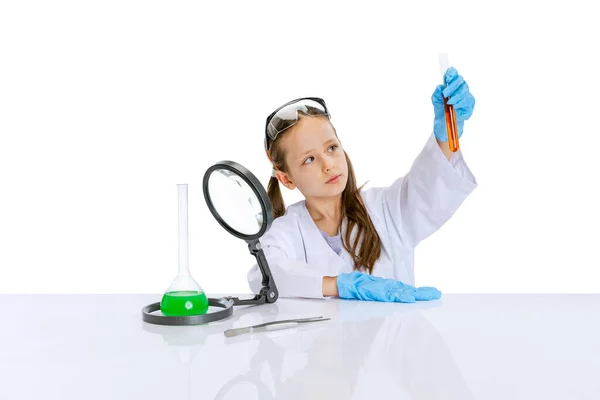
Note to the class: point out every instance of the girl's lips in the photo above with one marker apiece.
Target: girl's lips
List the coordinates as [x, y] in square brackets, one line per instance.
[334, 179]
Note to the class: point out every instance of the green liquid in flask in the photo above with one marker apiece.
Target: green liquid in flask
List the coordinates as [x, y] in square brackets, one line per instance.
[183, 303]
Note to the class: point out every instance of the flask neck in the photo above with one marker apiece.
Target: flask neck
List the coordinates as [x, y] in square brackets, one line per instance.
[183, 231]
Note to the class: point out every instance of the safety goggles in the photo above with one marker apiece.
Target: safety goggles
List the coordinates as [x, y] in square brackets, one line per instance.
[286, 116]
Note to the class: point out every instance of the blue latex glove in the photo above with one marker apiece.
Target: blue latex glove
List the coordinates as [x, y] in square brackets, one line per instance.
[460, 97]
[360, 286]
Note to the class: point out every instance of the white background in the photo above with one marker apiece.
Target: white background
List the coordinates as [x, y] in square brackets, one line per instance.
[106, 106]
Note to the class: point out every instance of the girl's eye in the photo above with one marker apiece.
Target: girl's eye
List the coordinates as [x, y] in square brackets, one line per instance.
[335, 146]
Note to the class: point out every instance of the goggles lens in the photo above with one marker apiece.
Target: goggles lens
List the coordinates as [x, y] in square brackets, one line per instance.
[287, 116]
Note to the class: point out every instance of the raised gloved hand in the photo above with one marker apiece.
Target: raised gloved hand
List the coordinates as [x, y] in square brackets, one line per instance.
[459, 96]
[361, 286]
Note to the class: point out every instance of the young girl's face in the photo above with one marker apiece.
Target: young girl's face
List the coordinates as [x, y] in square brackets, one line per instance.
[313, 156]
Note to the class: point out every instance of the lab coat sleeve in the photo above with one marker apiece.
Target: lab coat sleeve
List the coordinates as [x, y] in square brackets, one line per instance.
[292, 276]
[420, 202]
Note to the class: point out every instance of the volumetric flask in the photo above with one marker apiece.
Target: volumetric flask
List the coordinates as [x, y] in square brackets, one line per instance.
[184, 296]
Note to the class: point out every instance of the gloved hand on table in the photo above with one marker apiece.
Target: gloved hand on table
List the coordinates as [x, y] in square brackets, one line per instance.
[361, 286]
[459, 96]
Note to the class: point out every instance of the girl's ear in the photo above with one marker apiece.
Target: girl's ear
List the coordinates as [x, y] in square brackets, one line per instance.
[285, 180]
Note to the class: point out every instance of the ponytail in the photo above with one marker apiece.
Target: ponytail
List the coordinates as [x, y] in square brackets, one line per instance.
[274, 193]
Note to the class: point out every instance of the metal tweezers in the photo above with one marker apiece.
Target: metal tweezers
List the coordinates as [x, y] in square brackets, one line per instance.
[274, 325]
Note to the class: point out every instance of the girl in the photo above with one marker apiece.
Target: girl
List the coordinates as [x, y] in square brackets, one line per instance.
[342, 241]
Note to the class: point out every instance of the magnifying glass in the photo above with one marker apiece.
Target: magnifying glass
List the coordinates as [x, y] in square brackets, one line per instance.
[240, 204]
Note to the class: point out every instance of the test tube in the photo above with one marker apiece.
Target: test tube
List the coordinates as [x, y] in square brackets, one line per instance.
[449, 111]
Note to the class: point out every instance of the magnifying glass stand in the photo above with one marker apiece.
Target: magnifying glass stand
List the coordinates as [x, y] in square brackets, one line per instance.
[266, 294]
[250, 193]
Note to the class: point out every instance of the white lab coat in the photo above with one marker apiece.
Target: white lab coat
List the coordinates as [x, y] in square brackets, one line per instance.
[408, 211]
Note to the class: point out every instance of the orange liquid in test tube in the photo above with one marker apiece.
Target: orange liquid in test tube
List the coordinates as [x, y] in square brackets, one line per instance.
[451, 126]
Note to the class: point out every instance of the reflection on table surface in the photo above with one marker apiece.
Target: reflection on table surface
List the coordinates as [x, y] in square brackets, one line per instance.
[459, 347]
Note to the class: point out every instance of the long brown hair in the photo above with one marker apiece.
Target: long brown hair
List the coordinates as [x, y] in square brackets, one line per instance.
[353, 208]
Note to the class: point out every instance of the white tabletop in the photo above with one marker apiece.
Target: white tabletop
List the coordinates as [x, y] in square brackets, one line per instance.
[459, 347]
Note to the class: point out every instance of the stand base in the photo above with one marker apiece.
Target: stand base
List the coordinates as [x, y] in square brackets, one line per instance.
[226, 304]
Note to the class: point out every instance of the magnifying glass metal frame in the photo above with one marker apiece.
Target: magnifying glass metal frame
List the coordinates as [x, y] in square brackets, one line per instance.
[268, 292]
